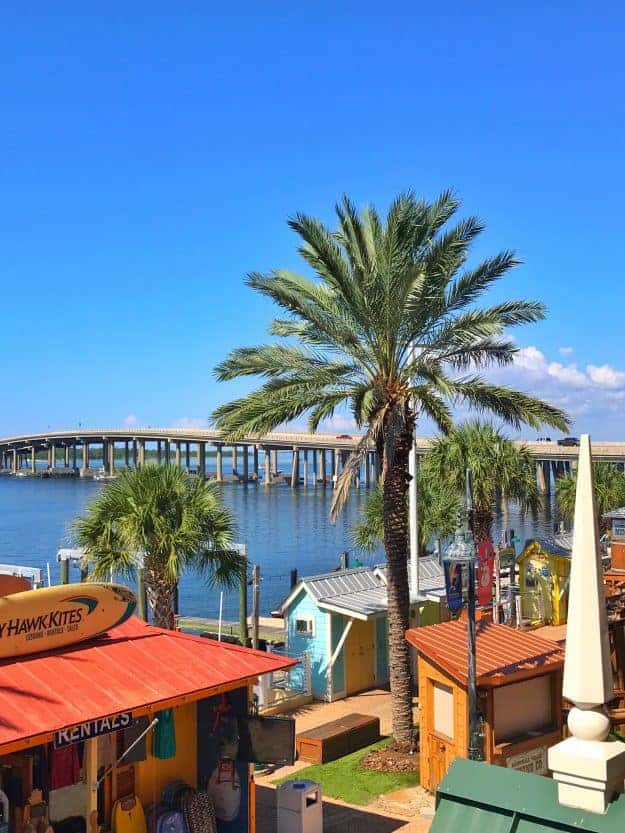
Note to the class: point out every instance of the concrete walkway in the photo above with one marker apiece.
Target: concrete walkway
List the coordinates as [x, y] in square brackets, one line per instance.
[405, 811]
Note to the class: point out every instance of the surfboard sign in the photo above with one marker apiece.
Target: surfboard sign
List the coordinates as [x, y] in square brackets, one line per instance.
[55, 617]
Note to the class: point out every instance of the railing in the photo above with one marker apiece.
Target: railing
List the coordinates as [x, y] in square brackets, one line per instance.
[285, 687]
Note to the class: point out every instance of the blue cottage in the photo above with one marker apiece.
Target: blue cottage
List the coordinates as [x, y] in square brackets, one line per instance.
[340, 620]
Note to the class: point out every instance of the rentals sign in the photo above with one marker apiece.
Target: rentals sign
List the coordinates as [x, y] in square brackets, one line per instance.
[92, 729]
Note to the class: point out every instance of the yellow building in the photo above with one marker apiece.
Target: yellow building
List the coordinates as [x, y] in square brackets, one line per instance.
[544, 568]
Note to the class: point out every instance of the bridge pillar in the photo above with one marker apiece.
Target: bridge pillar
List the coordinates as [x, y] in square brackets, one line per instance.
[85, 458]
[267, 478]
[305, 467]
[66, 456]
[14, 466]
[75, 455]
[220, 469]
[177, 454]
[187, 455]
[33, 460]
[201, 460]
[141, 455]
[246, 463]
[295, 467]
[127, 454]
[255, 462]
[52, 456]
[274, 461]
[540, 478]
[166, 444]
[322, 465]
[235, 463]
[159, 453]
[367, 469]
[111, 465]
[314, 467]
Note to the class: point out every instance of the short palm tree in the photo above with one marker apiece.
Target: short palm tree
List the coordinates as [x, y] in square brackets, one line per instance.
[166, 519]
[438, 511]
[609, 491]
[501, 469]
[388, 328]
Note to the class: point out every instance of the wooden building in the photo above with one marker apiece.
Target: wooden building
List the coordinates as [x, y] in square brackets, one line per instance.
[519, 679]
[616, 520]
[340, 620]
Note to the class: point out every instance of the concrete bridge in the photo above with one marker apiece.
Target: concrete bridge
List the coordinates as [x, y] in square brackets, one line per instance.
[313, 459]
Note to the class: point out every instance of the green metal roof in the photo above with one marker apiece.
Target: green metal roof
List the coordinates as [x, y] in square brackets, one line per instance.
[476, 797]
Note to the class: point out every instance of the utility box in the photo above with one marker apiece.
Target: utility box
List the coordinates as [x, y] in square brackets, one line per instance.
[299, 807]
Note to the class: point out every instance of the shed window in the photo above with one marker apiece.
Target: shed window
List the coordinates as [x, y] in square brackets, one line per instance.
[443, 708]
[523, 707]
[305, 626]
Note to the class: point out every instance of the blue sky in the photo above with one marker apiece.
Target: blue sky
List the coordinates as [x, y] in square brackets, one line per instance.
[151, 154]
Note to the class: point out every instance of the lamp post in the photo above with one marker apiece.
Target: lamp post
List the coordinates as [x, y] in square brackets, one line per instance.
[462, 552]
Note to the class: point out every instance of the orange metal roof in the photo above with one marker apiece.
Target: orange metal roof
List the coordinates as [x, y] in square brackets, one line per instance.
[501, 651]
[131, 667]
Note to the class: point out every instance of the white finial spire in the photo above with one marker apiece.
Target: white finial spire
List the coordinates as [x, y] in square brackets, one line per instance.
[587, 669]
[588, 769]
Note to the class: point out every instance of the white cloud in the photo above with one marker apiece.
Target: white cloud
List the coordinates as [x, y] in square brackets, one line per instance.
[340, 423]
[566, 351]
[190, 422]
[594, 396]
[130, 421]
[534, 362]
[605, 376]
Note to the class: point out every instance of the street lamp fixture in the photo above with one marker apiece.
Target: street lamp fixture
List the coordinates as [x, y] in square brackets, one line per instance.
[462, 552]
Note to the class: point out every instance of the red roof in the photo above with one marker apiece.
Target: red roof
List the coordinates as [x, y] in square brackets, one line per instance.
[501, 651]
[132, 666]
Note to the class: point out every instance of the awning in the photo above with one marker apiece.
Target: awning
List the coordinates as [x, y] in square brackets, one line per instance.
[135, 667]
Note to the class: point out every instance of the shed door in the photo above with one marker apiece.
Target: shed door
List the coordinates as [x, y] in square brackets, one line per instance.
[360, 657]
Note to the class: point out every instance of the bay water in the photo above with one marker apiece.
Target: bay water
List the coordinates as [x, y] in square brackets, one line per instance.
[283, 528]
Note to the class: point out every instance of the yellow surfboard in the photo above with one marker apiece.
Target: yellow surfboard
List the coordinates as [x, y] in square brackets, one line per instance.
[54, 617]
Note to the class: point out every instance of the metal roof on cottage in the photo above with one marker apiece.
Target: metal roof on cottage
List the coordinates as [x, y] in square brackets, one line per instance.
[560, 545]
[360, 592]
[431, 578]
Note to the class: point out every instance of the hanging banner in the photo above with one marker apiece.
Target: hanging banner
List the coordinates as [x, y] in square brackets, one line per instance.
[485, 564]
[453, 585]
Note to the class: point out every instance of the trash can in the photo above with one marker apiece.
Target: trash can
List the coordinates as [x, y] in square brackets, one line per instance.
[299, 807]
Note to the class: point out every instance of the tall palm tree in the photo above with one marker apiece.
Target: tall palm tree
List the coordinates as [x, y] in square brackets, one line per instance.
[609, 491]
[172, 521]
[438, 511]
[388, 328]
[500, 468]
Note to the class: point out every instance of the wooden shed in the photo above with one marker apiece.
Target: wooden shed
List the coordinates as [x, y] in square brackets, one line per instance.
[519, 679]
[340, 620]
[616, 519]
[544, 569]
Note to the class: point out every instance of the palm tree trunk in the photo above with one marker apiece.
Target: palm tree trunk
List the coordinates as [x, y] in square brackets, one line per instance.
[160, 591]
[396, 546]
[482, 524]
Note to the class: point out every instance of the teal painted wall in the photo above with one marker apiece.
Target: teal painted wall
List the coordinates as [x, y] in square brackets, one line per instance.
[381, 650]
[338, 672]
[316, 645]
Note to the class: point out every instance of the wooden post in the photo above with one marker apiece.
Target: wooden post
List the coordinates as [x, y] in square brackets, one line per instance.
[142, 602]
[255, 604]
[243, 635]
[65, 571]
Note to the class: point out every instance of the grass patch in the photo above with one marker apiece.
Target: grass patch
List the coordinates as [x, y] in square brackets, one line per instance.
[347, 780]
